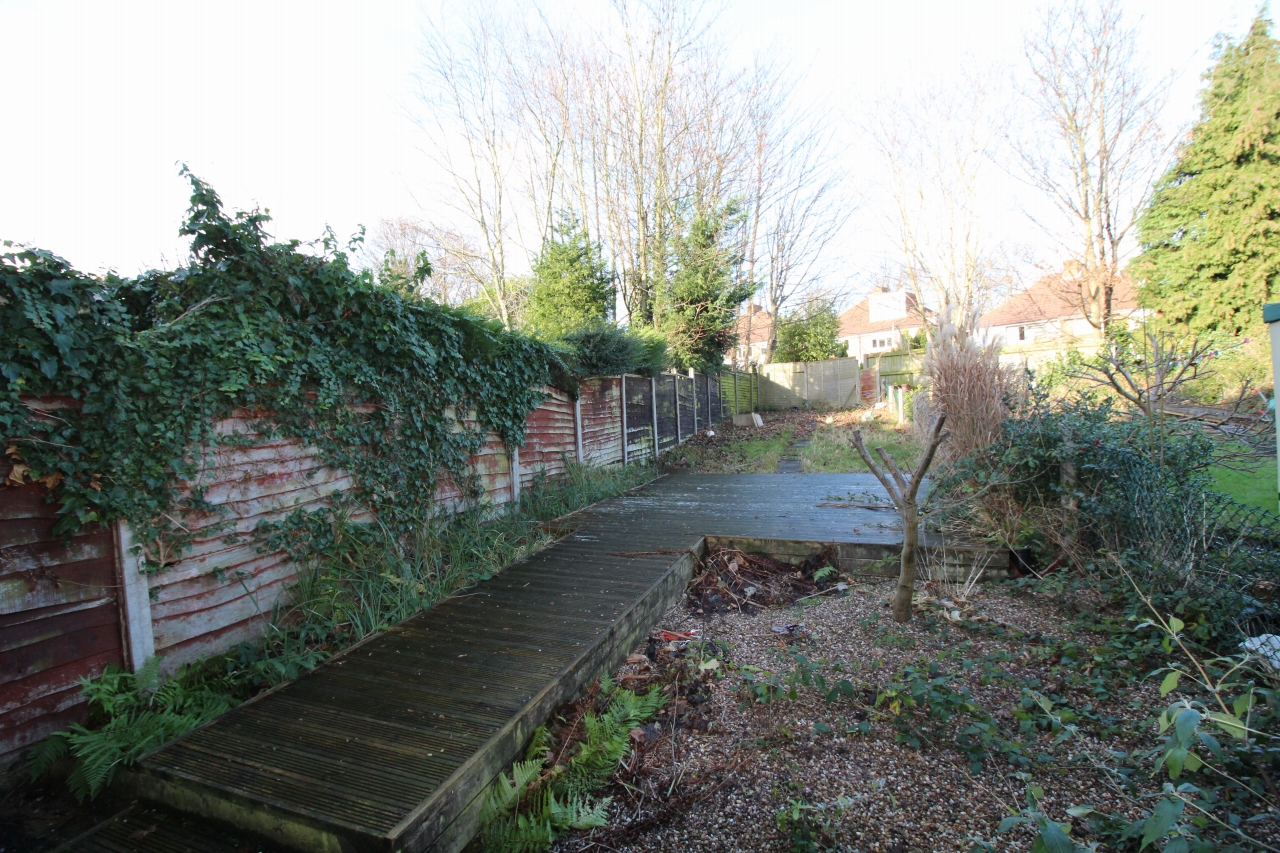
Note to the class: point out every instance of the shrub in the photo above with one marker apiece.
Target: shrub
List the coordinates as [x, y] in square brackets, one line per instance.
[606, 350]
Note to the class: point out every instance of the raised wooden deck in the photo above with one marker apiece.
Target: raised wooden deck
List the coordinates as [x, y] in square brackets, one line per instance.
[389, 746]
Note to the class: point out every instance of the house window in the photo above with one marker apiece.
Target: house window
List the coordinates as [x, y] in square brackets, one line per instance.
[1022, 333]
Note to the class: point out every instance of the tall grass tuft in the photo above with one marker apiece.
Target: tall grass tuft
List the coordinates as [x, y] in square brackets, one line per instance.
[968, 383]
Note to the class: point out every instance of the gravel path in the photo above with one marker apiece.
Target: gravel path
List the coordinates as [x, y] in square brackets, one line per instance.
[720, 790]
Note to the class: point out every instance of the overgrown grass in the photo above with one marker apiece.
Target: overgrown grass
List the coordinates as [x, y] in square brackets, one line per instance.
[752, 456]
[1253, 488]
[355, 580]
[829, 451]
[367, 581]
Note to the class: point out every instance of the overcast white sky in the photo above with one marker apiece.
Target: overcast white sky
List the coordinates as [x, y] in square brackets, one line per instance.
[304, 108]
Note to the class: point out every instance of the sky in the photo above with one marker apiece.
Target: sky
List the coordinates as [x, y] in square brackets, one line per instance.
[307, 108]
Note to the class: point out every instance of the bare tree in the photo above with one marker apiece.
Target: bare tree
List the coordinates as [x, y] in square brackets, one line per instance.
[1094, 146]
[903, 492]
[470, 128]
[637, 126]
[934, 148]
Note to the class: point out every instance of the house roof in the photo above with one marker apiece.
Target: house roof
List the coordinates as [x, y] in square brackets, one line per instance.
[1056, 297]
[857, 320]
[753, 325]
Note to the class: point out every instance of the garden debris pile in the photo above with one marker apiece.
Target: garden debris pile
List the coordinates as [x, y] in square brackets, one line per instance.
[731, 580]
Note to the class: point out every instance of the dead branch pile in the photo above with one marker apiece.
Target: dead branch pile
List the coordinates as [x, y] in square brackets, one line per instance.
[731, 580]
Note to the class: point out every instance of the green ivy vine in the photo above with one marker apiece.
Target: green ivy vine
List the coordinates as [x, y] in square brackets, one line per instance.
[317, 350]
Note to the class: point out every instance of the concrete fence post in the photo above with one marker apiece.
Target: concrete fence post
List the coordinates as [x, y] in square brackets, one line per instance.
[653, 398]
[675, 380]
[513, 455]
[135, 599]
[577, 429]
[693, 393]
[622, 394]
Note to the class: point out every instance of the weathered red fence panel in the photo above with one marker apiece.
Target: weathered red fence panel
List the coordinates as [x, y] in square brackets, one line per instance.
[59, 616]
[220, 590]
[600, 400]
[550, 438]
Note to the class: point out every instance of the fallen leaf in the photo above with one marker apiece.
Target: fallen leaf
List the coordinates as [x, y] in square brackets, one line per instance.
[52, 480]
[17, 474]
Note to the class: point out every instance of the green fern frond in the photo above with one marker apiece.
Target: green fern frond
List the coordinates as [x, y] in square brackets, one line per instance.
[578, 812]
[46, 754]
[538, 744]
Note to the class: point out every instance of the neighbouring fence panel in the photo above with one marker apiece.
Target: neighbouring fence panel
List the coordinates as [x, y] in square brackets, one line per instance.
[666, 402]
[715, 404]
[782, 385]
[549, 438]
[220, 590]
[639, 418]
[601, 406]
[833, 383]
[898, 369]
[59, 616]
[684, 405]
[737, 391]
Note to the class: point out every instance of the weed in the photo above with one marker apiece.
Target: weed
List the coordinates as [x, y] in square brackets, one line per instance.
[810, 827]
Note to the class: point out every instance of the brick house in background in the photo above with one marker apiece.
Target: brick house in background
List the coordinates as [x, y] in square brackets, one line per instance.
[1048, 319]
[754, 324]
[878, 323]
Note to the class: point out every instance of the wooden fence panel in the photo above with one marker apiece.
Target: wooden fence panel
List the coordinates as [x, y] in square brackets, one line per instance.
[684, 405]
[59, 616]
[601, 406]
[666, 402]
[639, 420]
[549, 438]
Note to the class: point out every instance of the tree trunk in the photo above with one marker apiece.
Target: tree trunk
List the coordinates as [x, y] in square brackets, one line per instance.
[907, 575]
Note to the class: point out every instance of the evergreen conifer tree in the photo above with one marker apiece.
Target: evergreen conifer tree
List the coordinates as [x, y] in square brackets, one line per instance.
[697, 313]
[1211, 235]
[572, 286]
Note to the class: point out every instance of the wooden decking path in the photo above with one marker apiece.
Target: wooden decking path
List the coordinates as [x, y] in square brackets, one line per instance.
[389, 746]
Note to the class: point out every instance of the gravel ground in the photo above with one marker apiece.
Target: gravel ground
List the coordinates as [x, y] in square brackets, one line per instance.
[720, 790]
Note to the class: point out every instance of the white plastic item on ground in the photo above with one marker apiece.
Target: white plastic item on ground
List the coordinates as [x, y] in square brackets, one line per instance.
[1265, 646]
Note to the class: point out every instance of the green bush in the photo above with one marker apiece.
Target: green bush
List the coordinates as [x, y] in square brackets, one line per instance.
[606, 350]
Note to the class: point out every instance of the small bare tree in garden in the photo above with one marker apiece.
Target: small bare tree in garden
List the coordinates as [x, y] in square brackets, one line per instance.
[903, 491]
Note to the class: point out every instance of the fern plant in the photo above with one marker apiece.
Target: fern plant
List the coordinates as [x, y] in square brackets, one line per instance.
[141, 710]
[607, 737]
[526, 812]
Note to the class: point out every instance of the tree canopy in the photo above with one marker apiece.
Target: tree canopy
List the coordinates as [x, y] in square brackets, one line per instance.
[697, 312]
[809, 334]
[1211, 236]
[572, 286]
